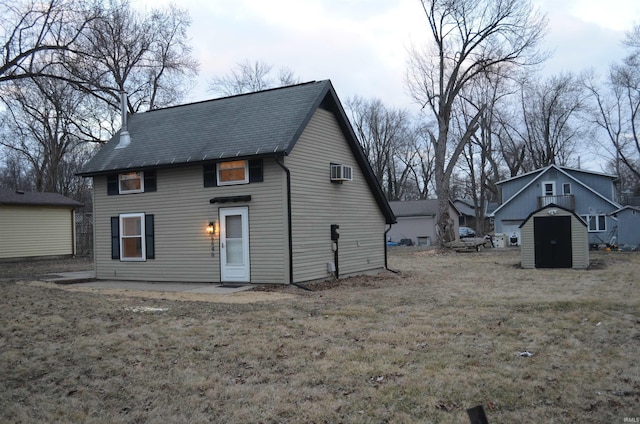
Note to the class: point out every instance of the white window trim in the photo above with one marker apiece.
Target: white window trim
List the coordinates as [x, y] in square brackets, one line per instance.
[588, 218]
[563, 186]
[142, 236]
[236, 182]
[120, 179]
[553, 188]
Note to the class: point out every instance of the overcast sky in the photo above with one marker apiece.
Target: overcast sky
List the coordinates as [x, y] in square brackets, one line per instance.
[361, 45]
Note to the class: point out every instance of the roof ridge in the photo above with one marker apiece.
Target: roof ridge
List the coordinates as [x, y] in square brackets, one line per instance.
[233, 96]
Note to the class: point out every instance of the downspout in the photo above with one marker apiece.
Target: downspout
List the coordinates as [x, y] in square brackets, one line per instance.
[289, 226]
[385, 252]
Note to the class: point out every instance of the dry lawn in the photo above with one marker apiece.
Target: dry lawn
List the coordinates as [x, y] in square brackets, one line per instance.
[420, 346]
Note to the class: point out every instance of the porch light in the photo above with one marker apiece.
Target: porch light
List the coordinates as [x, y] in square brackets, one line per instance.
[211, 228]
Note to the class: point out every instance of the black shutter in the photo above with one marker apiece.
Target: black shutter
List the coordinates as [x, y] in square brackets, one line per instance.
[150, 181]
[112, 184]
[115, 237]
[149, 237]
[209, 175]
[255, 171]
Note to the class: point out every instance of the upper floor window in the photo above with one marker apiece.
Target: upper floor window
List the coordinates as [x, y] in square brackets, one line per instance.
[233, 172]
[549, 188]
[566, 189]
[131, 182]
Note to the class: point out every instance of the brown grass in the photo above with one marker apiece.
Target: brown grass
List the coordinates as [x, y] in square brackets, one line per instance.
[421, 346]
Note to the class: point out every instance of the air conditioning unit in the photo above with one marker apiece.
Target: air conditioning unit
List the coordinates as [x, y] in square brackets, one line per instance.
[340, 173]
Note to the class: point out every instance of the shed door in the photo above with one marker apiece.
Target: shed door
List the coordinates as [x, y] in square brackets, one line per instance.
[552, 237]
[234, 244]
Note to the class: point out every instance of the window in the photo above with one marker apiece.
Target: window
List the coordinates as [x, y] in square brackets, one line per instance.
[596, 223]
[233, 172]
[131, 182]
[248, 171]
[132, 237]
[566, 189]
[549, 188]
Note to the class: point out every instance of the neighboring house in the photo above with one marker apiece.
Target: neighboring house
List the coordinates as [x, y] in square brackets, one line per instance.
[468, 214]
[628, 235]
[266, 187]
[417, 221]
[590, 195]
[35, 225]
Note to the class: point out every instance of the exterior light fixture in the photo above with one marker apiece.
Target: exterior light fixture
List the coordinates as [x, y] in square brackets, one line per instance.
[210, 228]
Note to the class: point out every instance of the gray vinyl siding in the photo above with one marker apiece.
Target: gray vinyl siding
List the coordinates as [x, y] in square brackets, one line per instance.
[317, 203]
[628, 227]
[35, 231]
[599, 183]
[182, 211]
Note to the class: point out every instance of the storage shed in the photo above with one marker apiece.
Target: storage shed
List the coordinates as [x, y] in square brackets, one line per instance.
[554, 237]
[36, 225]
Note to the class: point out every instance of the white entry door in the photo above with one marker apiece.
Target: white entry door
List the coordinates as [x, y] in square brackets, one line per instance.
[234, 245]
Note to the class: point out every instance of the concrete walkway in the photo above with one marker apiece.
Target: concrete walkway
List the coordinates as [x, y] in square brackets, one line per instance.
[87, 279]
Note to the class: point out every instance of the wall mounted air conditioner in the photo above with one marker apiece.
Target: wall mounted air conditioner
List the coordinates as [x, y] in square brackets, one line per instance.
[340, 173]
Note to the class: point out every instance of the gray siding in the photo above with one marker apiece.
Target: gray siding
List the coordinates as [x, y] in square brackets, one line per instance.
[317, 203]
[629, 227]
[413, 227]
[599, 183]
[181, 212]
[32, 231]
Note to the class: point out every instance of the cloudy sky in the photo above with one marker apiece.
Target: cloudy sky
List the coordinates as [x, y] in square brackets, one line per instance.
[361, 45]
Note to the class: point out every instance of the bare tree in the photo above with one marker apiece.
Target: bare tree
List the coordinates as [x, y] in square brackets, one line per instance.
[146, 55]
[248, 77]
[387, 140]
[551, 124]
[469, 38]
[37, 35]
[40, 126]
[617, 110]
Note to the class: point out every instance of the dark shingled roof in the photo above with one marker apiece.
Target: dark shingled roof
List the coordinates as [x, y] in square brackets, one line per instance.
[264, 123]
[260, 123]
[10, 197]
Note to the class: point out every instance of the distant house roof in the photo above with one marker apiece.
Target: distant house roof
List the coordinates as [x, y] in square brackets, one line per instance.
[627, 207]
[260, 124]
[407, 208]
[11, 197]
[563, 169]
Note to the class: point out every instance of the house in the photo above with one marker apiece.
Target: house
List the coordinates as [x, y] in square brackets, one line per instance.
[266, 187]
[554, 237]
[468, 214]
[628, 221]
[591, 195]
[36, 225]
[417, 221]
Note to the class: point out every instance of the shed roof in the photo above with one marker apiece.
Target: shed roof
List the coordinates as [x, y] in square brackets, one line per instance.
[18, 197]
